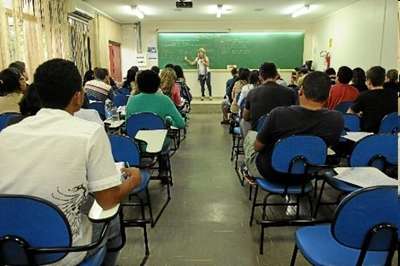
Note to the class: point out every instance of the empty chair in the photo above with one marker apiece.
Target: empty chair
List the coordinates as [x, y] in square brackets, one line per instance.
[364, 231]
[343, 107]
[390, 124]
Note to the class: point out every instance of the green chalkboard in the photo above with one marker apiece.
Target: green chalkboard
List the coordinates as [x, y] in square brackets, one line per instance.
[285, 49]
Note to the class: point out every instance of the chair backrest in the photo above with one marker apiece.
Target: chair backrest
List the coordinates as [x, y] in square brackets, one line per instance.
[37, 223]
[374, 151]
[120, 100]
[261, 122]
[124, 149]
[361, 211]
[343, 107]
[292, 154]
[143, 121]
[99, 107]
[390, 124]
[5, 118]
[351, 122]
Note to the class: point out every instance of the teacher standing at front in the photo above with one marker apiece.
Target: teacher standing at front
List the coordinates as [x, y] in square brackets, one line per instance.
[203, 64]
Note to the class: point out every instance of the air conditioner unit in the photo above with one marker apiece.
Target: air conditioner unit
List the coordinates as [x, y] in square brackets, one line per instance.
[81, 14]
[184, 4]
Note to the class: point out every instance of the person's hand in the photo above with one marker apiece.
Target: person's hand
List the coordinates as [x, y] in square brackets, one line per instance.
[133, 174]
[186, 58]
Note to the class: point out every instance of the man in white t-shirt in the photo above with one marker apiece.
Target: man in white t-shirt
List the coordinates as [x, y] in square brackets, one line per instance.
[203, 64]
[61, 158]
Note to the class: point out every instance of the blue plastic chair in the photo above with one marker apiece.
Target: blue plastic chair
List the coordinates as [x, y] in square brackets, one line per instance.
[5, 119]
[261, 123]
[143, 121]
[40, 234]
[292, 157]
[363, 231]
[99, 107]
[120, 99]
[390, 124]
[343, 107]
[351, 123]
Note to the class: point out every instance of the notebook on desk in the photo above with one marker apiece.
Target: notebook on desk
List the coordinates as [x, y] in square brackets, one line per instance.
[364, 176]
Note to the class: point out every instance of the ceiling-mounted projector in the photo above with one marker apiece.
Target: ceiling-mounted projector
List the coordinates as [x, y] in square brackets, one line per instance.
[184, 4]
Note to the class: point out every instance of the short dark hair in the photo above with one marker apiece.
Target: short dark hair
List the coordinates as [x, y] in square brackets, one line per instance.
[393, 75]
[148, 81]
[30, 104]
[155, 69]
[234, 71]
[57, 80]
[100, 73]
[330, 71]
[359, 77]
[9, 81]
[316, 86]
[179, 71]
[268, 70]
[254, 77]
[169, 66]
[376, 75]
[244, 74]
[345, 74]
[18, 65]
[89, 75]
[131, 76]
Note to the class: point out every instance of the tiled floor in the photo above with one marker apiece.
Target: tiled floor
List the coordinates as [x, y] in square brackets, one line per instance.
[206, 222]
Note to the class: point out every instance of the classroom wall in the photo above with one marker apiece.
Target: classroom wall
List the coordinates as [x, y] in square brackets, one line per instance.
[219, 77]
[363, 34]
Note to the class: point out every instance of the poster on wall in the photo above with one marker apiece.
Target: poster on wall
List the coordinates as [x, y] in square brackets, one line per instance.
[141, 60]
[152, 53]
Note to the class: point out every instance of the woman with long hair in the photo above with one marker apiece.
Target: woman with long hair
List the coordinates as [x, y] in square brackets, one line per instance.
[169, 87]
[204, 75]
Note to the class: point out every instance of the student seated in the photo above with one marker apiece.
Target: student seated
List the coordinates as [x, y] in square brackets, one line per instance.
[359, 79]
[99, 89]
[12, 84]
[156, 69]
[88, 114]
[65, 158]
[169, 86]
[242, 81]
[342, 91]
[310, 118]
[267, 96]
[254, 81]
[129, 85]
[226, 103]
[392, 81]
[331, 72]
[374, 104]
[181, 81]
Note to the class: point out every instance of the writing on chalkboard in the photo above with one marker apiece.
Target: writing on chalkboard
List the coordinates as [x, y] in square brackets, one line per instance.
[243, 49]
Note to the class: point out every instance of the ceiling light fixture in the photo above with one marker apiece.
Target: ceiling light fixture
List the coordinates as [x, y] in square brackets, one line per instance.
[219, 10]
[137, 12]
[301, 11]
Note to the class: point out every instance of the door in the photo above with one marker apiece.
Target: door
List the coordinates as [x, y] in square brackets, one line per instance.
[115, 60]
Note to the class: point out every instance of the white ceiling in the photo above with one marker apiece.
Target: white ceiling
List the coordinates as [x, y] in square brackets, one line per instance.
[272, 10]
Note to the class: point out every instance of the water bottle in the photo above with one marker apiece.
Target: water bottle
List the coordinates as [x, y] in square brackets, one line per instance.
[114, 113]
[108, 108]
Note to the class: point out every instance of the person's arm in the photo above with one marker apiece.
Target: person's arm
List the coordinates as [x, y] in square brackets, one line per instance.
[265, 134]
[173, 113]
[358, 106]
[206, 61]
[246, 110]
[191, 62]
[258, 145]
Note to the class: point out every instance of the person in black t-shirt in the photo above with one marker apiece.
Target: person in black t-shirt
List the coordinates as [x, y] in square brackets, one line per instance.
[392, 81]
[310, 118]
[374, 104]
[267, 96]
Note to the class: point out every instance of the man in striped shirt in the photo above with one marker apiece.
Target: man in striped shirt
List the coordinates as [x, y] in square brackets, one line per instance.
[99, 89]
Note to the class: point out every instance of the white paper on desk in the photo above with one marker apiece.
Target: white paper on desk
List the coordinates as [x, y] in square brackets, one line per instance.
[356, 136]
[364, 176]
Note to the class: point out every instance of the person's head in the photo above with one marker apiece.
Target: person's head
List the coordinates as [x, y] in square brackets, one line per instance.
[11, 81]
[30, 104]
[59, 85]
[169, 66]
[375, 77]
[148, 81]
[21, 68]
[179, 72]
[344, 75]
[89, 75]
[234, 71]
[131, 75]
[268, 71]
[254, 77]
[315, 88]
[330, 71]
[156, 69]
[392, 75]
[168, 79]
[201, 53]
[358, 76]
[244, 74]
[102, 75]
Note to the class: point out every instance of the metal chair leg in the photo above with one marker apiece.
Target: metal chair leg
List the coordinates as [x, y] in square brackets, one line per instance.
[294, 255]
[262, 240]
[253, 207]
[319, 200]
[150, 207]
[297, 206]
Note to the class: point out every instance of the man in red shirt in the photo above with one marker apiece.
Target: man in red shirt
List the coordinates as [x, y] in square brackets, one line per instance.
[342, 91]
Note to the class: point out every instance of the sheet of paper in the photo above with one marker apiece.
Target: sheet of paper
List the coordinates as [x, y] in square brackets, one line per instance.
[356, 136]
[364, 176]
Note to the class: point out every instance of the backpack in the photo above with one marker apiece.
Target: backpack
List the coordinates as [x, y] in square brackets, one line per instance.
[185, 92]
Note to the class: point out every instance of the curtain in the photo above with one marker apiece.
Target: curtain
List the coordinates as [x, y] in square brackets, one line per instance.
[4, 50]
[79, 34]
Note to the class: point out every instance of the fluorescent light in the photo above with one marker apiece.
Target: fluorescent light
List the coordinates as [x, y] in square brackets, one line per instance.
[219, 11]
[301, 11]
[137, 12]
